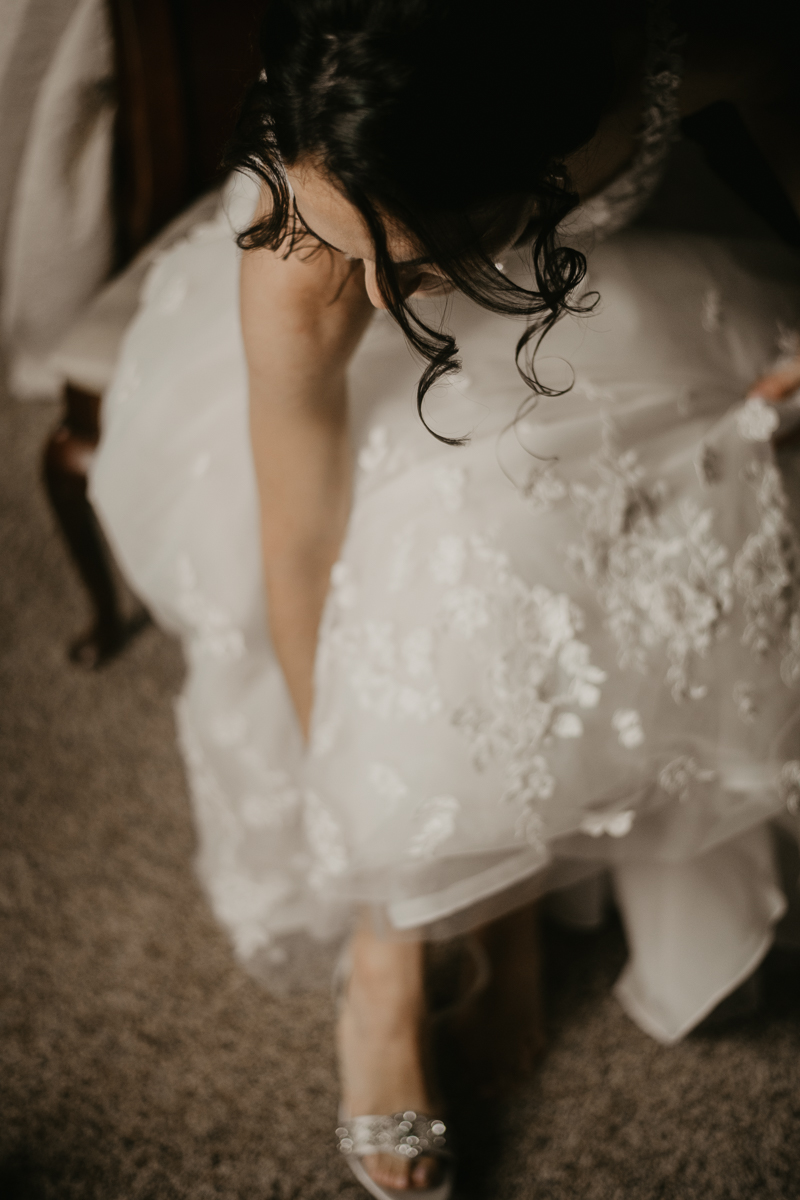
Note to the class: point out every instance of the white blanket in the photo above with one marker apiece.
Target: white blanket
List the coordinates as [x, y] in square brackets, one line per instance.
[56, 117]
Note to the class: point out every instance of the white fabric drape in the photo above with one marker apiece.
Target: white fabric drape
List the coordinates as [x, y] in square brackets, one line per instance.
[56, 116]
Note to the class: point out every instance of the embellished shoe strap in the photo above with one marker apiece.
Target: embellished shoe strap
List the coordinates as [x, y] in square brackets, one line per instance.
[407, 1134]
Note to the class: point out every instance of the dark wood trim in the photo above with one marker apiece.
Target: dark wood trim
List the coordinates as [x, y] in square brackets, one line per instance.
[67, 456]
[151, 167]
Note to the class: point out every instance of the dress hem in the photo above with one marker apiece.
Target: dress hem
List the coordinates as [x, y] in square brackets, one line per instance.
[638, 1012]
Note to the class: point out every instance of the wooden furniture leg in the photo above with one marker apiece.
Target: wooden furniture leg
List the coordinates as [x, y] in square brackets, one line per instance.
[67, 456]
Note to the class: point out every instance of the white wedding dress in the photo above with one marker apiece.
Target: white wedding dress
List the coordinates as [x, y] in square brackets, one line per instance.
[568, 647]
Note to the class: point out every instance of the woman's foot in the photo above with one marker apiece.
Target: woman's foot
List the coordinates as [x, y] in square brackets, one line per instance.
[380, 1036]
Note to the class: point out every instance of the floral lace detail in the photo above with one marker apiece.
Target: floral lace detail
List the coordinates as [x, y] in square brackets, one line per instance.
[401, 562]
[378, 454]
[544, 489]
[465, 610]
[390, 677]
[628, 725]
[212, 629]
[438, 826]
[448, 560]
[626, 196]
[325, 841]
[615, 824]
[386, 783]
[787, 341]
[450, 484]
[757, 420]
[546, 670]
[269, 808]
[204, 781]
[677, 777]
[661, 582]
[789, 786]
[767, 575]
[744, 698]
[242, 903]
[375, 449]
[711, 315]
[709, 465]
[567, 725]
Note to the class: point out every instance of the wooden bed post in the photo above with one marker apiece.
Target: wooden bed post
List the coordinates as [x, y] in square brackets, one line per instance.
[68, 453]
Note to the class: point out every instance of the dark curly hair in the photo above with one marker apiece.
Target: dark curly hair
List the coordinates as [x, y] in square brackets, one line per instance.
[436, 114]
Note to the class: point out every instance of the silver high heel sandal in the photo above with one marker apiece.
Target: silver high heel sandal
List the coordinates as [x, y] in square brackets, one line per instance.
[406, 1134]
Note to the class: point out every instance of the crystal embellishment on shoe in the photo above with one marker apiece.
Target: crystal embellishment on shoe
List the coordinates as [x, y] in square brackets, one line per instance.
[408, 1133]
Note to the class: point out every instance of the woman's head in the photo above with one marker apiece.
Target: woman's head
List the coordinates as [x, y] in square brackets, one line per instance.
[429, 134]
[327, 216]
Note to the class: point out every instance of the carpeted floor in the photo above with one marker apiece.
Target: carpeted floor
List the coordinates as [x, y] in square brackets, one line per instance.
[138, 1062]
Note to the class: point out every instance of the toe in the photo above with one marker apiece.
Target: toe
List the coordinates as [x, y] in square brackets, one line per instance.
[388, 1170]
[425, 1173]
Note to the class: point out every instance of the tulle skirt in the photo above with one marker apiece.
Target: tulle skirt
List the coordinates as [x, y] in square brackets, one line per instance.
[569, 646]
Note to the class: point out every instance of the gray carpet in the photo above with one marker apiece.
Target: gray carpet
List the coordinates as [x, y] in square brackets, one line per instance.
[138, 1062]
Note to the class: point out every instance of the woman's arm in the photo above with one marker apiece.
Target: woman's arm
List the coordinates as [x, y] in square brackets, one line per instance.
[302, 318]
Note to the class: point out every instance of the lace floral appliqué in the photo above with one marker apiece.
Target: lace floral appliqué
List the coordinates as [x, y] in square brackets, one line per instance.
[241, 902]
[390, 676]
[744, 697]
[387, 784]
[677, 777]
[711, 316]
[662, 582]
[624, 198]
[377, 457]
[531, 686]
[757, 420]
[324, 839]
[543, 488]
[213, 631]
[709, 465]
[767, 575]
[616, 824]
[450, 484]
[789, 786]
[275, 801]
[628, 724]
[438, 824]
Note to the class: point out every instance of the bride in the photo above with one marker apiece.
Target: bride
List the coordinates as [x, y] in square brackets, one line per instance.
[548, 634]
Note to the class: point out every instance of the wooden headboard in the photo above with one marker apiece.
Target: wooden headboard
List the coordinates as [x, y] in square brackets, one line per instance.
[182, 68]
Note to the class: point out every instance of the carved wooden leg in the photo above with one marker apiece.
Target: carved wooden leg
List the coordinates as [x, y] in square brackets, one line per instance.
[67, 456]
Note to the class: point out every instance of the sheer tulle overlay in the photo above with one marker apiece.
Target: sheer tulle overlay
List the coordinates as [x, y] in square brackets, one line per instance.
[570, 645]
